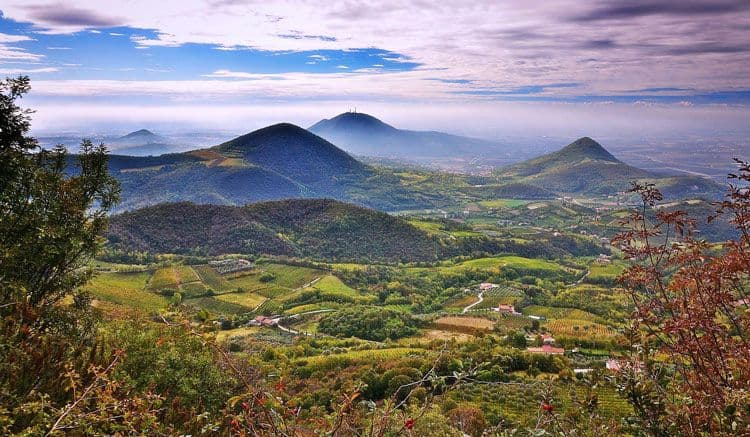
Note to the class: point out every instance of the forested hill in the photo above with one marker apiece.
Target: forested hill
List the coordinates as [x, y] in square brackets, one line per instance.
[584, 167]
[316, 228]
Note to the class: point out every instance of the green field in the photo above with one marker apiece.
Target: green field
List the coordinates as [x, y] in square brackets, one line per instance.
[186, 274]
[559, 313]
[285, 279]
[607, 273]
[246, 299]
[164, 279]
[126, 289]
[530, 265]
[193, 289]
[503, 203]
[212, 279]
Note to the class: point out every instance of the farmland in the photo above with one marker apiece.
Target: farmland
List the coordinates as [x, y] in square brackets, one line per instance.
[126, 289]
[395, 318]
[464, 324]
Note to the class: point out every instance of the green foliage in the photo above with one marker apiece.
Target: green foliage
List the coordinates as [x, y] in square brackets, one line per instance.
[368, 323]
[266, 277]
[177, 366]
[50, 226]
[316, 228]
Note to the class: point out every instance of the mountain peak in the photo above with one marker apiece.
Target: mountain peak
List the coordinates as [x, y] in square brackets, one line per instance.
[586, 148]
[351, 121]
[140, 133]
[293, 152]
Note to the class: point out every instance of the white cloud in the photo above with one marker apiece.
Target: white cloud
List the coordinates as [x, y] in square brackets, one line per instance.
[513, 41]
[28, 70]
[6, 38]
[15, 54]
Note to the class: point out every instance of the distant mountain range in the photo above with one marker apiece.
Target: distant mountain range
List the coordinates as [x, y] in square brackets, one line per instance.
[277, 162]
[363, 134]
[286, 161]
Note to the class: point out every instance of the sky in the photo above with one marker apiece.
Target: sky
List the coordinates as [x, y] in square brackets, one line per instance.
[484, 68]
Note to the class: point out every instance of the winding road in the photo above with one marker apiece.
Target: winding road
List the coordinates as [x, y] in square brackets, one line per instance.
[294, 316]
[481, 299]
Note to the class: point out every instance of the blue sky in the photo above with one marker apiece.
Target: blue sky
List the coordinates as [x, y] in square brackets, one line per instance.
[93, 61]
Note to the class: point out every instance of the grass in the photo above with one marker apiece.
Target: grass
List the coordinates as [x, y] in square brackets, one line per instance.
[436, 228]
[185, 274]
[333, 284]
[125, 289]
[247, 299]
[286, 279]
[503, 203]
[223, 336]
[193, 289]
[327, 289]
[437, 334]
[213, 279]
[351, 357]
[540, 266]
[216, 306]
[579, 328]
[164, 278]
[349, 266]
[559, 313]
[605, 273]
[511, 261]
[464, 324]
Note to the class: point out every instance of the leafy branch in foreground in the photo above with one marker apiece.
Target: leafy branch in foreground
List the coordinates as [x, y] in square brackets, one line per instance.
[52, 215]
[690, 373]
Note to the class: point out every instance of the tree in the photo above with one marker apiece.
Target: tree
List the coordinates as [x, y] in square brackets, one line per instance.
[691, 308]
[50, 221]
[51, 217]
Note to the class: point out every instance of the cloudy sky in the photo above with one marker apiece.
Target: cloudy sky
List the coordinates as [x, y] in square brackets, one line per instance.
[480, 67]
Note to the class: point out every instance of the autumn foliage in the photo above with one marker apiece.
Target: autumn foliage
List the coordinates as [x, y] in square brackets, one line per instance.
[690, 372]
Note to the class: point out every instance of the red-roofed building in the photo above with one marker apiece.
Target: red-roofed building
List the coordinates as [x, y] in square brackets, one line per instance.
[264, 321]
[505, 309]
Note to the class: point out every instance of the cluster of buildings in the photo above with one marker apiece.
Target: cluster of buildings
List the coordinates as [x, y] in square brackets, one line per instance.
[225, 266]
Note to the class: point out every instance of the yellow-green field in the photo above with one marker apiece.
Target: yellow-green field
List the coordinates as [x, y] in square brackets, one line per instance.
[246, 299]
[286, 278]
[126, 289]
[491, 263]
[559, 313]
[464, 324]
[503, 203]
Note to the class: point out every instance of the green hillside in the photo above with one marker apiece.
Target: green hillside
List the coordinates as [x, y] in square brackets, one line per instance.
[584, 167]
[277, 162]
[300, 227]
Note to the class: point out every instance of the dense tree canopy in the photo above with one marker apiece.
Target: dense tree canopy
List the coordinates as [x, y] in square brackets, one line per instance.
[50, 225]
